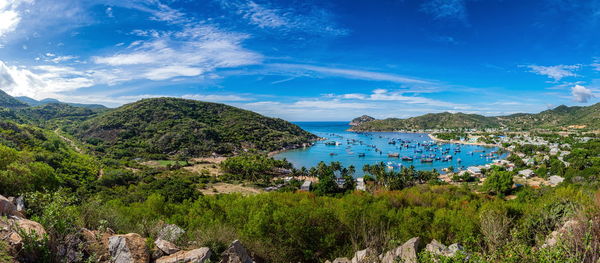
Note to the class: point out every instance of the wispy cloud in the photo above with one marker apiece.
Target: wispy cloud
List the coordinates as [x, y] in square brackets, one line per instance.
[351, 73]
[446, 9]
[555, 72]
[195, 50]
[314, 20]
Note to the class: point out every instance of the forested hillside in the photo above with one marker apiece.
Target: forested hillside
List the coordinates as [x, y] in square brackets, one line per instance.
[168, 126]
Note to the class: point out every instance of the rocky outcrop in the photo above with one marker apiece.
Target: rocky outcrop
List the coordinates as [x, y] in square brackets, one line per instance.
[130, 248]
[16, 230]
[368, 255]
[166, 247]
[438, 249]
[406, 253]
[342, 260]
[193, 256]
[556, 235]
[8, 207]
[236, 253]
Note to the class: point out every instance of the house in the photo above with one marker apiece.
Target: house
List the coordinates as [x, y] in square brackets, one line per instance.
[474, 170]
[360, 184]
[340, 182]
[526, 173]
[306, 186]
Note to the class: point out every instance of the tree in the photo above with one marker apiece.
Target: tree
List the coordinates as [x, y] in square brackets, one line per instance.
[498, 182]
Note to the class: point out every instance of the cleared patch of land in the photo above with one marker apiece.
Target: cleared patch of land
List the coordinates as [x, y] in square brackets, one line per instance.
[225, 188]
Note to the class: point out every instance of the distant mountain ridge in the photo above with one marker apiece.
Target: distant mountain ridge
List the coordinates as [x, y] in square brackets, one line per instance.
[560, 117]
[32, 102]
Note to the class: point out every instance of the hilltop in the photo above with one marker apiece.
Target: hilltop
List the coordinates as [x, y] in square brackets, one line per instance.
[557, 118]
[8, 101]
[362, 119]
[169, 126]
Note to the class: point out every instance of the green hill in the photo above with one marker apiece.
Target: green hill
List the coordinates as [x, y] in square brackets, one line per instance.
[557, 118]
[8, 101]
[444, 120]
[168, 126]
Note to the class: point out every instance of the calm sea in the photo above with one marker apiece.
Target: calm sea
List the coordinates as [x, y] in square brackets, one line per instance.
[359, 149]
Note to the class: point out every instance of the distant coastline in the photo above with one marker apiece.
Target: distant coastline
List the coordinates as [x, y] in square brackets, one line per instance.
[463, 142]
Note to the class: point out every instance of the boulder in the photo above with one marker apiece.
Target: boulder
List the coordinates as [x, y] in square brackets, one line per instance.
[454, 249]
[438, 249]
[556, 235]
[368, 255]
[170, 232]
[342, 260]
[165, 246]
[96, 243]
[406, 253]
[130, 248]
[236, 253]
[8, 208]
[199, 255]
[11, 230]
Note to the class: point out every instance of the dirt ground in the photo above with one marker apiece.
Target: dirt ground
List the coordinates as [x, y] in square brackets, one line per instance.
[225, 188]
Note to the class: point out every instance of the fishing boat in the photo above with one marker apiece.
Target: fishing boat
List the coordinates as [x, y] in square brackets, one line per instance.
[406, 158]
[394, 155]
[426, 160]
[361, 155]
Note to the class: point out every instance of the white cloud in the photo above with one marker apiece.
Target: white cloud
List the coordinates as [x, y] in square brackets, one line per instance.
[385, 95]
[581, 94]
[194, 51]
[555, 72]
[42, 81]
[330, 104]
[9, 18]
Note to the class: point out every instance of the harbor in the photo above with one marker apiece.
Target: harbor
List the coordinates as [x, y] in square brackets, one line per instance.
[394, 149]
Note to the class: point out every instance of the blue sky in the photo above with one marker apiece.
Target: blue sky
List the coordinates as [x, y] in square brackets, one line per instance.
[307, 60]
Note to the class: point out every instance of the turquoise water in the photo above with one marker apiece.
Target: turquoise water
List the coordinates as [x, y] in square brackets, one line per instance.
[352, 144]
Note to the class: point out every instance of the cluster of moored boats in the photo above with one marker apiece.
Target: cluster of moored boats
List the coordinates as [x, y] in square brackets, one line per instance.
[424, 152]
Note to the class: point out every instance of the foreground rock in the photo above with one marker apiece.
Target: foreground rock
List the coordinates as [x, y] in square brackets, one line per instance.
[193, 256]
[236, 253]
[12, 229]
[563, 231]
[368, 255]
[130, 248]
[438, 249]
[8, 208]
[342, 260]
[166, 247]
[406, 253]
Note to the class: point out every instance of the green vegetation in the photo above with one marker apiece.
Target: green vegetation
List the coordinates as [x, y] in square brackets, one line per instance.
[253, 167]
[157, 128]
[444, 120]
[67, 187]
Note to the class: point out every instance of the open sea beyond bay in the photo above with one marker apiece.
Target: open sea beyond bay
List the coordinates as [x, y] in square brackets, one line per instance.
[359, 148]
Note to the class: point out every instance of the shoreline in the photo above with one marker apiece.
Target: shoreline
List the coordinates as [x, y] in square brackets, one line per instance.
[463, 142]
